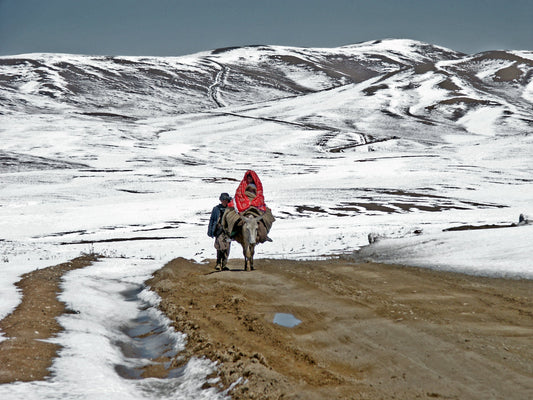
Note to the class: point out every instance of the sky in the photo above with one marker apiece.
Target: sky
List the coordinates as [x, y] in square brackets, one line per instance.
[175, 27]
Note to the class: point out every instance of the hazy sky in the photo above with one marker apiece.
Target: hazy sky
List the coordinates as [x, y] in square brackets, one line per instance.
[175, 27]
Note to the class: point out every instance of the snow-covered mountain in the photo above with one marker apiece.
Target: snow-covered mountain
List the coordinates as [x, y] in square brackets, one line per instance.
[375, 88]
[193, 83]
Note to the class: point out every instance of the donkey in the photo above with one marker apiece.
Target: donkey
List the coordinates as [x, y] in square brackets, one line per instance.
[247, 237]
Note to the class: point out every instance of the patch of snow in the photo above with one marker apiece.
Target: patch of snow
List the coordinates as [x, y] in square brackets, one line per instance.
[481, 121]
[492, 68]
[527, 94]
[487, 252]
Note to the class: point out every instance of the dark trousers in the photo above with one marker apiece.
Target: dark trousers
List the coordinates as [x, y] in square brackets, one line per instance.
[222, 257]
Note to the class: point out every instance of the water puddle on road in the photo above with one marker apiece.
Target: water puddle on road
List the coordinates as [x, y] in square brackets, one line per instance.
[148, 341]
[286, 320]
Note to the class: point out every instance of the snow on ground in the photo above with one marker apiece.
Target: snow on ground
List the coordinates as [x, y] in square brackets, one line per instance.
[528, 92]
[109, 298]
[481, 121]
[164, 186]
[163, 189]
[488, 252]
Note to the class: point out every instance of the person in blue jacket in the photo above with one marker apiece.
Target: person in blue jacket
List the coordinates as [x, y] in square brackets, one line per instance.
[214, 230]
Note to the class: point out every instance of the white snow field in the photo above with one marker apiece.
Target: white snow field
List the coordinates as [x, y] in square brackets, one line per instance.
[410, 145]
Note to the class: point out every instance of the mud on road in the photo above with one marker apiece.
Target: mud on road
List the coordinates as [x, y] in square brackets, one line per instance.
[368, 331]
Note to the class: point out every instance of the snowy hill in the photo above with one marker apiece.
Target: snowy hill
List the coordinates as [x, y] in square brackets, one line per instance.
[187, 84]
[395, 133]
[408, 83]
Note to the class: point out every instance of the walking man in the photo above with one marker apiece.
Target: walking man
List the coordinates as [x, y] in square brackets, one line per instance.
[222, 242]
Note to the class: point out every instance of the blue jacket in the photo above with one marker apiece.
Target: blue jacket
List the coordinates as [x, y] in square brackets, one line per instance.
[213, 230]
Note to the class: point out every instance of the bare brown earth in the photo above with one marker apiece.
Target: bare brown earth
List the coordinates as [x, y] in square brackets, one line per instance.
[23, 355]
[368, 331]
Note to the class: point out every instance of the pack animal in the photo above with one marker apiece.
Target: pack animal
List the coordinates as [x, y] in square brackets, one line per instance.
[247, 236]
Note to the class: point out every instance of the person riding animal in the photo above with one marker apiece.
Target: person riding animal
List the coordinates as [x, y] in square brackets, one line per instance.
[215, 230]
[249, 199]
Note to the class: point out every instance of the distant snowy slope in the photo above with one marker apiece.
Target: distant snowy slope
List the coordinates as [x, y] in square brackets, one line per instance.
[186, 84]
[380, 86]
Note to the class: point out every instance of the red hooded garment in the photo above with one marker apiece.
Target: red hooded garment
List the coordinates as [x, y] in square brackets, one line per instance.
[241, 202]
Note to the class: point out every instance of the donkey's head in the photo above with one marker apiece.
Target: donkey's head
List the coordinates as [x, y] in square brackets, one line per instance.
[249, 228]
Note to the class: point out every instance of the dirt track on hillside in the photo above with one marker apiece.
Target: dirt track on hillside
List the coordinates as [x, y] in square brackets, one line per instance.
[368, 331]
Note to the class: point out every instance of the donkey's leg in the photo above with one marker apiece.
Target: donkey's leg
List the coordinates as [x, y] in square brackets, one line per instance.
[244, 252]
[252, 251]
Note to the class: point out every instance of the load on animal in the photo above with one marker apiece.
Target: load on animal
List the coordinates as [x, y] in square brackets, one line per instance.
[247, 219]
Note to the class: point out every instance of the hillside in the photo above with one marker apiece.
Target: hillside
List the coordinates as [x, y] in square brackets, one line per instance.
[404, 136]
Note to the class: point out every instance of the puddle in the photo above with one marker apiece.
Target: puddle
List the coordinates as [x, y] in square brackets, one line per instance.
[148, 342]
[286, 320]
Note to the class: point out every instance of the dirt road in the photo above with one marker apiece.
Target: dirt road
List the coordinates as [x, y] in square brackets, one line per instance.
[368, 331]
